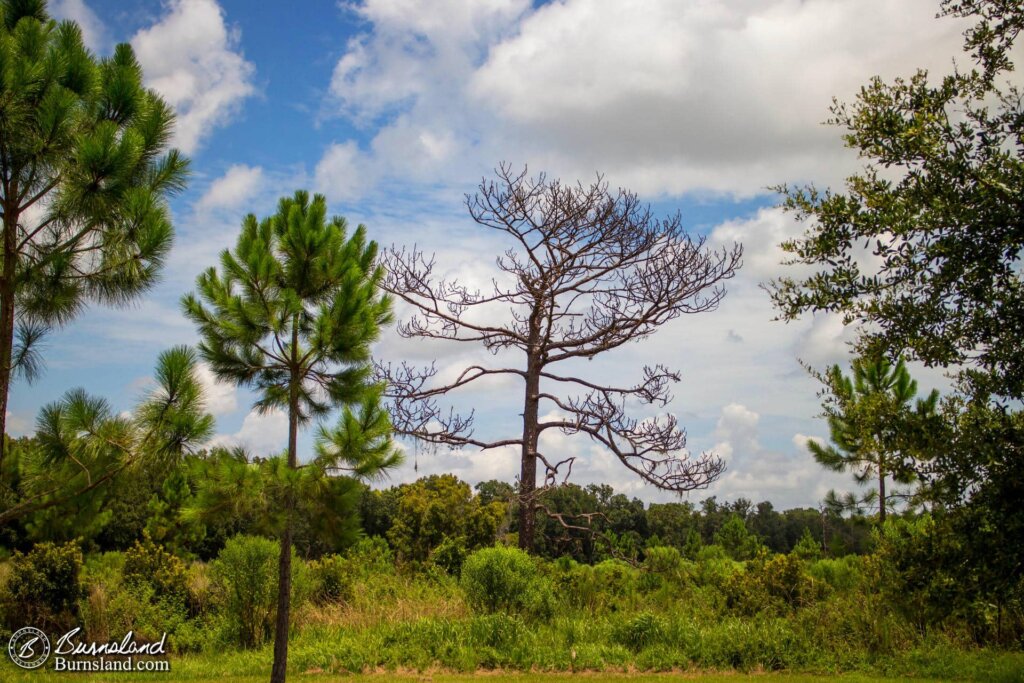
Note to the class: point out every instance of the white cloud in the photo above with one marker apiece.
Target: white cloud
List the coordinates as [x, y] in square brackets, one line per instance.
[801, 441]
[343, 172]
[94, 32]
[221, 397]
[725, 96]
[18, 425]
[232, 190]
[192, 58]
[261, 434]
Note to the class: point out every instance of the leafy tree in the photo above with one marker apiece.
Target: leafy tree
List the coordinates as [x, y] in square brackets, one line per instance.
[938, 207]
[588, 271]
[292, 313]
[81, 444]
[439, 508]
[737, 540]
[84, 173]
[872, 424]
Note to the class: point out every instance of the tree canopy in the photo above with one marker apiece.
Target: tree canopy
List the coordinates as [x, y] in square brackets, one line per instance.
[85, 171]
[923, 247]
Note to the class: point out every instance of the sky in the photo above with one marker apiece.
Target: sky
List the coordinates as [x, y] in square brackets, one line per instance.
[396, 109]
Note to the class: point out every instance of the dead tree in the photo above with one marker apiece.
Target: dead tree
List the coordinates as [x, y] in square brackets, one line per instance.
[588, 270]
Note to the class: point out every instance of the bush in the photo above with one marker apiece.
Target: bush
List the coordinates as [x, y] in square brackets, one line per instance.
[643, 630]
[148, 563]
[332, 579]
[245, 572]
[450, 555]
[505, 579]
[44, 587]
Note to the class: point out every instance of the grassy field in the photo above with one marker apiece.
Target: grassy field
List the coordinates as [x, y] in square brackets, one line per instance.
[246, 667]
[193, 670]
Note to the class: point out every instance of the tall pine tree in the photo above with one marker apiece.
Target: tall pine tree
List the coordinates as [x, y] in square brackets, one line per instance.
[84, 175]
[292, 313]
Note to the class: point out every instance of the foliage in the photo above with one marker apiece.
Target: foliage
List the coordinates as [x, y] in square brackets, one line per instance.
[245, 573]
[332, 578]
[81, 444]
[437, 510]
[83, 185]
[504, 579]
[150, 564]
[874, 430]
[807, 548]
[943, 281]
[292, 313]
[44, 587]
[736, 539]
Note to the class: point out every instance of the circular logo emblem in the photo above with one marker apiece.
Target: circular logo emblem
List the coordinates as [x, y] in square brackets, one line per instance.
[29, 647]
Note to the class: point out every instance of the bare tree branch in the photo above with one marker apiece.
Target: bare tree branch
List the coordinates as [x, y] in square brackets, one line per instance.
[589, 269]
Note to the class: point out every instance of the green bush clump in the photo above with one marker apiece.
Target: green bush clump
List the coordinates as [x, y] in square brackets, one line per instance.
[450, 554]
[245, 573]
[842, 574]
[150, 564]
[332, 579]
[44, 587]
[505, 579]
[640, 632]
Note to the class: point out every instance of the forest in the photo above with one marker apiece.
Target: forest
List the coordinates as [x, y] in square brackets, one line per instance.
[139, 544]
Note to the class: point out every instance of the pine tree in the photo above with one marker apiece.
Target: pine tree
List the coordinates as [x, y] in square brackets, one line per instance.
[871, 424]
[292, 313]
[84, 173]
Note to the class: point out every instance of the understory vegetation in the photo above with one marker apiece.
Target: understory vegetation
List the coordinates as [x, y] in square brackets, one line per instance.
[467, 601]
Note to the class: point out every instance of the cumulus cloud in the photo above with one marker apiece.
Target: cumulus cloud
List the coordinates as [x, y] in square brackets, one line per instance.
[723, 97]
[343, 172]
[192, 58]
[261, 434]
[221, 397]
[232, 190]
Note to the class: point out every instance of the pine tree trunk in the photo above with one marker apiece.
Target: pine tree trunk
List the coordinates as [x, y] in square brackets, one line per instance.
[7, 282]
[528, 465]
[528, 469]
[284, 566]
[881, 491]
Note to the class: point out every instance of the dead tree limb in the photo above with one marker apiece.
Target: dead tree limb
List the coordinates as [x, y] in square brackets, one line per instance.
[588, 270]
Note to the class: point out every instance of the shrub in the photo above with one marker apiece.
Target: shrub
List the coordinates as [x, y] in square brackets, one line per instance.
[44, 587]
[245, 572]
[842, 574]
[371, 556]
[643, 630]
[332, 579]
[450, 554]
[505, 579]
[148, 563]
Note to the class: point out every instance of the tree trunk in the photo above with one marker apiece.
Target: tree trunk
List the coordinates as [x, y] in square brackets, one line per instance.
[527, 472]
[284, 566]
[528, 469]
[881, 491]
[7, 282]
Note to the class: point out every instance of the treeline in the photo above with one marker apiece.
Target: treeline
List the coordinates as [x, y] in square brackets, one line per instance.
[437, 518]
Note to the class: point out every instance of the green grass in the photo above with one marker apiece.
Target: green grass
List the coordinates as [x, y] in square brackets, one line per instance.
[243, 667]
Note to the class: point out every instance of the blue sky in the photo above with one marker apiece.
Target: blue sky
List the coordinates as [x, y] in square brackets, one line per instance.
[396, 108]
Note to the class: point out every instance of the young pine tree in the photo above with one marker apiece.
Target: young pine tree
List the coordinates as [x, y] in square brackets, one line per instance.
[292, 313]
[872, 425]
